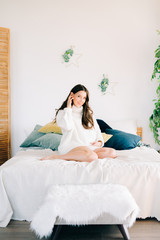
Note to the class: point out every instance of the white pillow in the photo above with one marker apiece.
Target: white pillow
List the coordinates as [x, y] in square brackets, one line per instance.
[129, 126]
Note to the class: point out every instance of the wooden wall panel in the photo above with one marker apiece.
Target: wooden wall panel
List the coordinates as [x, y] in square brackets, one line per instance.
[5, 121]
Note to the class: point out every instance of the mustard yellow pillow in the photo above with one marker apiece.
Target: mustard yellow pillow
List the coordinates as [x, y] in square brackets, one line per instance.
[106, 137]
[50, 127]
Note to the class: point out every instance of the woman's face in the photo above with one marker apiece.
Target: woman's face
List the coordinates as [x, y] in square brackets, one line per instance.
[79, 98]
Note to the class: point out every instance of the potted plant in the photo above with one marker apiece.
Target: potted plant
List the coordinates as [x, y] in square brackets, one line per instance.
[154, 120]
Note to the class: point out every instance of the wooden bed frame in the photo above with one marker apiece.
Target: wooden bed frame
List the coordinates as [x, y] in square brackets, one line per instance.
[140, 132]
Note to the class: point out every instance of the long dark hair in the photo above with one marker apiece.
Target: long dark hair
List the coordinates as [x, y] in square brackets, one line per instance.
[87, 116]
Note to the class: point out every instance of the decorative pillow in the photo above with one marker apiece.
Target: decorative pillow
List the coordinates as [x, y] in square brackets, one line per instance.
[121, 140]
[106, 137]
[49, 140]
[32, 137]
[50, 127]
[103, 125]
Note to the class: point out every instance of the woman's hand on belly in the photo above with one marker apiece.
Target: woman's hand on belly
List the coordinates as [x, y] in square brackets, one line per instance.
[96, 144]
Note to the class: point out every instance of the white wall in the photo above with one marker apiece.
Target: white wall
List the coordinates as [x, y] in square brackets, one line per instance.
[117, 37]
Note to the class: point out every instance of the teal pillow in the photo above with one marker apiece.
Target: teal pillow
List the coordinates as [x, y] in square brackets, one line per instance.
[49, 140]
[32, 137]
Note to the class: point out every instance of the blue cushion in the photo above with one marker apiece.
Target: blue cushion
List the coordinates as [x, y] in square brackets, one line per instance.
[103, 125]
[49, 140]
[32, 137]
[121, 140]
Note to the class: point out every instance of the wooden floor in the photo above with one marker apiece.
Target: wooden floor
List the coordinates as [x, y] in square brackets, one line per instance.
[142, 230]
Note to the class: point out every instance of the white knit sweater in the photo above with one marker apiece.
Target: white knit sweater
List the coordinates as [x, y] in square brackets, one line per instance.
[74, 134]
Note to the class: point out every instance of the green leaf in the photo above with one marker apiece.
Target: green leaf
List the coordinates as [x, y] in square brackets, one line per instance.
[157, 55]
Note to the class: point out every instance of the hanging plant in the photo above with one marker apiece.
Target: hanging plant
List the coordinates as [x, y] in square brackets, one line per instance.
[104, 84]
[67, 55]
[154, 120]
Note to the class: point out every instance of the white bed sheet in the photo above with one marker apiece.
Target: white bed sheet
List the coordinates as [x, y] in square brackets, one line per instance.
[24, 179]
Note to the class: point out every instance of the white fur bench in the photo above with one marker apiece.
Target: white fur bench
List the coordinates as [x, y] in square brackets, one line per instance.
[84, 204]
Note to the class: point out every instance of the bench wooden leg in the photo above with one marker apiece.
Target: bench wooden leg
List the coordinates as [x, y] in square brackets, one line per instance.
[55, 232]
[124, 231]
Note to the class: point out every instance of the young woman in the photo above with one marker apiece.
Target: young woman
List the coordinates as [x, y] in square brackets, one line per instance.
[81, 136]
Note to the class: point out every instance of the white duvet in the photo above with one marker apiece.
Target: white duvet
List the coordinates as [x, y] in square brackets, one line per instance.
[24, 179]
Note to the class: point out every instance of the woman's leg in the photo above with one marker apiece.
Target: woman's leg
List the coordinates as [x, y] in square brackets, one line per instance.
[81, 154]
[105, 152]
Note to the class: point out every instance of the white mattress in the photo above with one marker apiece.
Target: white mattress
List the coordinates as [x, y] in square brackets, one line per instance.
[24, 179]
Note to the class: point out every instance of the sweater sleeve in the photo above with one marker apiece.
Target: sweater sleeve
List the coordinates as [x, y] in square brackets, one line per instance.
[98, 132]
[64, 119]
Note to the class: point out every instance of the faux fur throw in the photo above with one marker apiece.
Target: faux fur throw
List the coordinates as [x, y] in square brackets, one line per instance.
[79, 204]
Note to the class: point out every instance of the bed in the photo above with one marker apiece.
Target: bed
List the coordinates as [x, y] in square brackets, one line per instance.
[24, 180]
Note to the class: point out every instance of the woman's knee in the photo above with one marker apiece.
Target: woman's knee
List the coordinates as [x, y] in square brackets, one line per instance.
[112, 153]
[91, 156]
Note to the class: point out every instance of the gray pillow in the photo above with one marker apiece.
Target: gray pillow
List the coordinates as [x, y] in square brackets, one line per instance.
[32, 137]
[49, 140]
